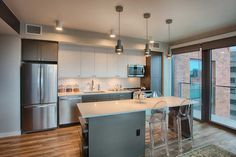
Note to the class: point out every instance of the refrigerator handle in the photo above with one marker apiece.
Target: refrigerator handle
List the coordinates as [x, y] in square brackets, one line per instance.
[39, 83]
[42, 81]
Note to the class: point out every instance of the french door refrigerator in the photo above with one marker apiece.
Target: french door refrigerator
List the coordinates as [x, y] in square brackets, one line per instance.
[38, 97]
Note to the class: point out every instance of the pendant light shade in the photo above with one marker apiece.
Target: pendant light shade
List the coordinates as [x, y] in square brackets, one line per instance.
[169, 53]
[147, 51]
[119, 46]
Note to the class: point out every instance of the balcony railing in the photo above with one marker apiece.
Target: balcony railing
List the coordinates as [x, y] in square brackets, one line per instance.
[223, 101]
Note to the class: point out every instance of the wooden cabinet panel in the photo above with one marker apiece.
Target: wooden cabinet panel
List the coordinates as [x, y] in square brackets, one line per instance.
[30, 50]
[37, 50]
[100, 62]
[87, 62]
[49, 51]
[69, 61]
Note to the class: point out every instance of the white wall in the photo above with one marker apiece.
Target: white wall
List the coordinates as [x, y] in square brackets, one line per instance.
[10, 54]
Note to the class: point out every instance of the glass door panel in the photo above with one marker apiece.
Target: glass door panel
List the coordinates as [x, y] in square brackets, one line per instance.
[223, 100]
[187, 79]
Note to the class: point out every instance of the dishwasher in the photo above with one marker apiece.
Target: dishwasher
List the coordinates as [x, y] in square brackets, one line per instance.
[68, 110]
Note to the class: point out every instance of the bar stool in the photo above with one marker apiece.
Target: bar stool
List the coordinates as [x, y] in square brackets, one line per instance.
[158, 116]
[184, 113]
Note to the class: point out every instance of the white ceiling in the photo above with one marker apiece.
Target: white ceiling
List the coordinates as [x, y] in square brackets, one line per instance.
[6, 29]
[191, 18]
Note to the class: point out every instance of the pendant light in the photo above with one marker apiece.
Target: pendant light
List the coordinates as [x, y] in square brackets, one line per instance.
[147, 51]
[119, 46]
[169, 53]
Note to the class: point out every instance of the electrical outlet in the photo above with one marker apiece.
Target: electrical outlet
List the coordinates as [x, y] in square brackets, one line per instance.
[138, 132]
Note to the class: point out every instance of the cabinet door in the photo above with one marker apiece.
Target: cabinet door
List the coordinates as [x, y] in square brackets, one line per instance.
[112, 63]
[69, 61]
[87, 62]
[30, 50]
[49, 51]
[136, 57]
[100, 62]
[89, 98]
[122, 65]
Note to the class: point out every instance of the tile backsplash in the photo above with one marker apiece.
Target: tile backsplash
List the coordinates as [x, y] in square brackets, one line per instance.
[105, 83]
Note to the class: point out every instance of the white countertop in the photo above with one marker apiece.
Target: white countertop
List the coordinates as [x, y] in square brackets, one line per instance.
[106, 108]
[93, 93]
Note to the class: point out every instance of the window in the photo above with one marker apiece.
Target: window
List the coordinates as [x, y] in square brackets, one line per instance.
[232, 80]
[233, 69]
[232, 91]
[223, 87]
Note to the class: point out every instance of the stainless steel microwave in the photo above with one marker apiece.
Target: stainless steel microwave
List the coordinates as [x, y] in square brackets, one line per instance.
[136, 70]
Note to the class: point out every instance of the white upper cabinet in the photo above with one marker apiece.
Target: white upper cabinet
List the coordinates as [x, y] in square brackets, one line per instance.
[122, 65]
[83, 61]
[112, 63]
[136, 57]
[68, 61]
[87, 62]
[100, 62]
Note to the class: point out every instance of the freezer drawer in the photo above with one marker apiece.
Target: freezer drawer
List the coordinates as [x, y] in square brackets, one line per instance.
[39, 117]
[68, 111]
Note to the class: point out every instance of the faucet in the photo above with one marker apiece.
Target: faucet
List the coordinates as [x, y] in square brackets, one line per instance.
[92, 86]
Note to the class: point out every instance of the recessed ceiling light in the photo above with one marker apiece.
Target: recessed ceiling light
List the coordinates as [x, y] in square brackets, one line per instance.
[151, 41]
[59, 25]
[112, 34]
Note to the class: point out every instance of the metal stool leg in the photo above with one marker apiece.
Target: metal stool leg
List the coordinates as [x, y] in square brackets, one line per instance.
[190, 122]
[179, 134]
[151, 135]
[166, 138]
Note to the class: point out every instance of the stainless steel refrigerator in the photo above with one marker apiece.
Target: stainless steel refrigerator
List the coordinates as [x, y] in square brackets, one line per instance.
[38, 97]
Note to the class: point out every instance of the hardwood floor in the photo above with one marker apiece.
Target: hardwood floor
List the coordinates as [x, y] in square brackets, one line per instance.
[65, 142]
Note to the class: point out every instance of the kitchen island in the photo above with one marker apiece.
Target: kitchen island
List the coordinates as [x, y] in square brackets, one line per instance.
[117, 128]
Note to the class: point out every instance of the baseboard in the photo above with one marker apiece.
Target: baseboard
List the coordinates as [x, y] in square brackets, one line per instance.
[8, 134]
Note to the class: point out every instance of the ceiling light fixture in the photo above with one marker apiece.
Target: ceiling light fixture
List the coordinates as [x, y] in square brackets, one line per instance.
[119, 46]
[147, 51]
[169, 53]
[59, 25]
[151, 41]
[112, 33]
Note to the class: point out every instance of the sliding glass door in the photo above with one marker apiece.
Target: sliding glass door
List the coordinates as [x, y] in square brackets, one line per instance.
[223, 93]
[187, 70]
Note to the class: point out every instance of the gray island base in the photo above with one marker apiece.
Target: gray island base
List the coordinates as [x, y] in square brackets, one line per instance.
[120, 135]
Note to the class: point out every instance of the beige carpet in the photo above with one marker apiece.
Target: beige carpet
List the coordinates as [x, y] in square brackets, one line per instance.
[208, 151]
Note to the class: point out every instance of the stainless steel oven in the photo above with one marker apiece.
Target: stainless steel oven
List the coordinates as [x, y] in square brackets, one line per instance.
[136, 70]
